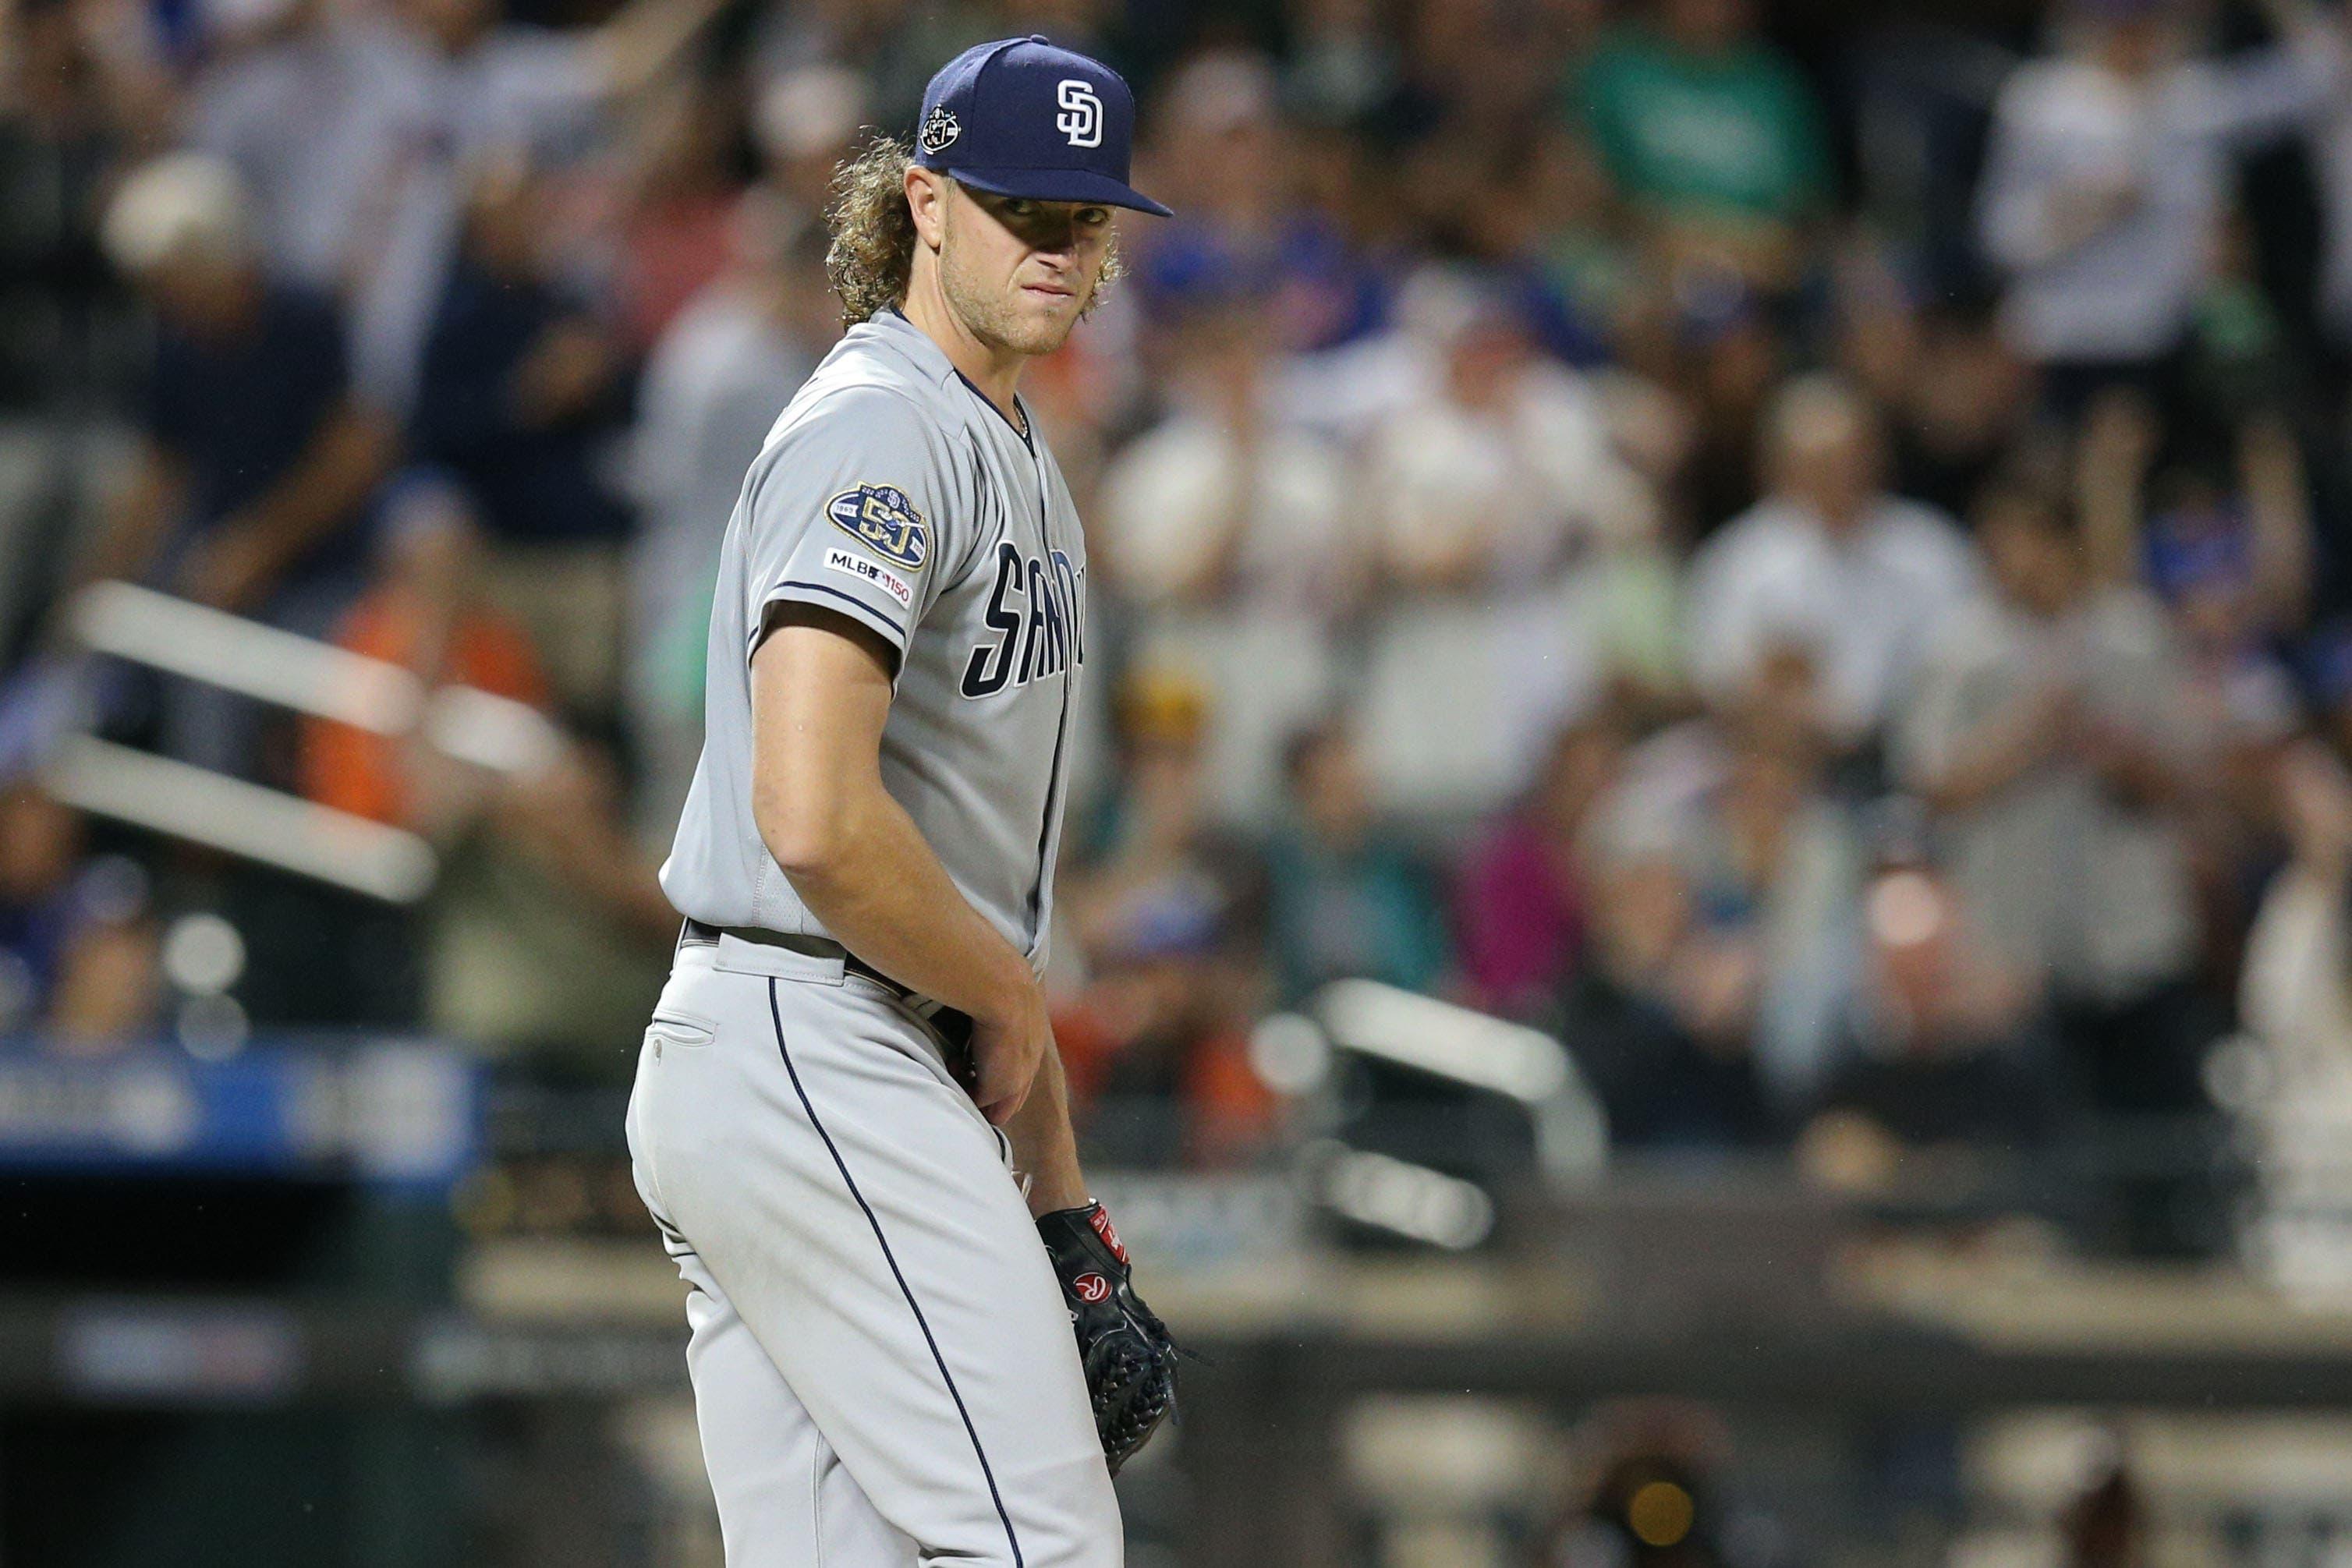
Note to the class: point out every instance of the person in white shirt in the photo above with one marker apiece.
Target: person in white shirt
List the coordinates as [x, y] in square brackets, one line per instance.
[304, 104]
[1227, 531]
[1827, 565]
[2046, 729]
[2108, 175]
[355, 133]
[2296, 999]
[1499, 470]
[712, 390]
[1224, 504]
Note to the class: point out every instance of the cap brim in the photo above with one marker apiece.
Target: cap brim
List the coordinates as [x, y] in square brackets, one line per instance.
[1059, 185]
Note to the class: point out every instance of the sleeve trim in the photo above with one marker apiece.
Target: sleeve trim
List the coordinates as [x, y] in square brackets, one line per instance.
[834, 599]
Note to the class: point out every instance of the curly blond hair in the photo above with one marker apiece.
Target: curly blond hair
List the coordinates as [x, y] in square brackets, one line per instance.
[871, 251]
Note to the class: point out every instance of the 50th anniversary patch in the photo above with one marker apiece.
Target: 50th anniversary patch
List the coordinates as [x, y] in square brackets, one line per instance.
[880, 518]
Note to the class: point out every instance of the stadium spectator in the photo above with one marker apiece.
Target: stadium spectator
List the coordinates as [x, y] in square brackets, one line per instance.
[1168, 915]
[2227, 545]
[358, 129]
[2052, 733]
[1737, 937]
[1149, 864]
[1160, 1035]
[1714, 350]
[2332, 165]
[713, 389]
[2221, 531]
[2296, 1006]
[41, 848]
[1949, 387]
[1343, 65]
[425, 612]
[1348, 899]
[546, 928]
[1224, 153]
[547, 933]
[2043, 731]
[77, 942]
[308, 102]
[523, 386]
[2293, 995]
[1713, 136]
[60, 143]
[1941, 1045]
[804, 122]
[678, 228]
[2106, 183]
[1827, 563]
[1581, 236]
[255, 460]
[1223, 504]
[1499, 472]
[1523, 903]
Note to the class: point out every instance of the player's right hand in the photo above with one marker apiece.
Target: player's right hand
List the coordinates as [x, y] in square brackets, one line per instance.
[1006, 1047]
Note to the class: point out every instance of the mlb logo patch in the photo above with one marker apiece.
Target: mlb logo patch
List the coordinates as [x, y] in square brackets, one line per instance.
[873, 571]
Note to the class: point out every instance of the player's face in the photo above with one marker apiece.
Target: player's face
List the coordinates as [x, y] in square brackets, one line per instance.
[1021, 272]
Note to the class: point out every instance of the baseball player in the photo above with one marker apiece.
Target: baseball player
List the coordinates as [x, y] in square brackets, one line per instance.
[850, 1083]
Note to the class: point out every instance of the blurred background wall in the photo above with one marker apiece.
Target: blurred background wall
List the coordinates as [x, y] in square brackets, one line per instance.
[1708, 922]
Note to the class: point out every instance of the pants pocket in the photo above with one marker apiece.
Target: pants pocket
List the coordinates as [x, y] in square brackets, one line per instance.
[670, 1029]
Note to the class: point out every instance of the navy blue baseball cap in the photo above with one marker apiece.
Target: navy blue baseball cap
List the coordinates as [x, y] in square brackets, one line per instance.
[1021, 118]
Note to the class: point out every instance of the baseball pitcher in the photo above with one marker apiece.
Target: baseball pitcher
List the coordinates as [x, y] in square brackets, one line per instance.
[850, 1083]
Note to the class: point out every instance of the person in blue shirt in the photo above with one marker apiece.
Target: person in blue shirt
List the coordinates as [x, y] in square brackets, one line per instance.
[256, 462]
[521, 384]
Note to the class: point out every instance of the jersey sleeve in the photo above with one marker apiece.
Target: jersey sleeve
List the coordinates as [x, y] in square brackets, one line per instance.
[854, 508]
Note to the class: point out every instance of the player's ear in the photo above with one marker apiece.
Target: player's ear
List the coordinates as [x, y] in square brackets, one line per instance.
[926, 197]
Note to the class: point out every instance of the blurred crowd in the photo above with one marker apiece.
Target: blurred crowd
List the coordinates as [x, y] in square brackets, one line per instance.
[1807, 562]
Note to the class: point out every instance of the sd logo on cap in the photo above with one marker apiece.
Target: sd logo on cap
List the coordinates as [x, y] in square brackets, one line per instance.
[1024, 118]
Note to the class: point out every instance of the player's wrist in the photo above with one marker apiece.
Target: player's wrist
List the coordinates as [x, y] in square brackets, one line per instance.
[1055, 1192]
[1013, 996]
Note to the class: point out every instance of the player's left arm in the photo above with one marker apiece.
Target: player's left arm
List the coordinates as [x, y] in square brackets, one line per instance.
[1124, 1349]
[1126, 1352]
[1044, 1148]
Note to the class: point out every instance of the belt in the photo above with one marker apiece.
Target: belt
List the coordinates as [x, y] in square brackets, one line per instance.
[954, 1025]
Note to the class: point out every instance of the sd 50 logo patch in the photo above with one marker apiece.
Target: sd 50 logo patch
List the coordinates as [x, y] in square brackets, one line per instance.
[880, 518]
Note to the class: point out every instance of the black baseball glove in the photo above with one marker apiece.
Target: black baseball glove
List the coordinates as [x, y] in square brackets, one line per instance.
[1131, 1362]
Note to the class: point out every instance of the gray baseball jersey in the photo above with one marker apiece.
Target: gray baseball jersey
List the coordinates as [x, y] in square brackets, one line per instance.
[892, 492]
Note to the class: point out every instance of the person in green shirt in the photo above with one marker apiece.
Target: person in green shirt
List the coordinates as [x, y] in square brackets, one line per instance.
[1349, 898]
[1712, 135]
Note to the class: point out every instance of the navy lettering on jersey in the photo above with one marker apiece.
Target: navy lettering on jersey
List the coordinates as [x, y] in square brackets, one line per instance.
[991, 663]
[1035, 613]
[1067, 576]
[1035, 655]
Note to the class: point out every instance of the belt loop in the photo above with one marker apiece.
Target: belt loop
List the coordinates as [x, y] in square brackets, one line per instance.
[740, 956]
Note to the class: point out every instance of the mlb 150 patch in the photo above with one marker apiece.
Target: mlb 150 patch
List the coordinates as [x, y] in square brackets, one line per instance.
[872, 571]
[880, 518]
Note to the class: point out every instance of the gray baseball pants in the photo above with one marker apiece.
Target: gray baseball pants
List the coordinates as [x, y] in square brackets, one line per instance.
[884, 1373]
